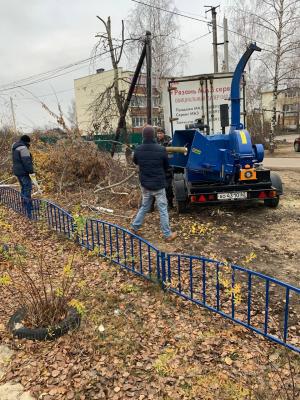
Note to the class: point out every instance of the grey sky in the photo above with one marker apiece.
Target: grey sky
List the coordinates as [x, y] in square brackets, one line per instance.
[41, 35]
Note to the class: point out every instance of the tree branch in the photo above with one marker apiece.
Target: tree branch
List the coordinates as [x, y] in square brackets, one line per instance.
[116, 184]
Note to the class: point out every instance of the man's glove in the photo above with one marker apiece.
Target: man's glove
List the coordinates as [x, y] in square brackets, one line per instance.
[35, 182]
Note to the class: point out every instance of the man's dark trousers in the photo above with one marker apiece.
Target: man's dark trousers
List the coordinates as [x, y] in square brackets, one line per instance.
[26, 188]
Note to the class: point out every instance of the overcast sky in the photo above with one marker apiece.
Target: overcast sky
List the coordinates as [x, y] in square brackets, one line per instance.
[42, 35]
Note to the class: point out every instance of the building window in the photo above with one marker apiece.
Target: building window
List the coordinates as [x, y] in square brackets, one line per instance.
[138, 101]
[138, 122]
[141, 101]
[288, 108]
[156, 101]
[292, 93]
[155, 121]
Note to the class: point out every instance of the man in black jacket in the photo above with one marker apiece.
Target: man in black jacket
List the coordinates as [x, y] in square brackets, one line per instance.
[22, 168]
[153, 163]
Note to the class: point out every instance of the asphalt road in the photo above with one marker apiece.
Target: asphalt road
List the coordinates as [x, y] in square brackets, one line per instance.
[288, 138]
[282, 163]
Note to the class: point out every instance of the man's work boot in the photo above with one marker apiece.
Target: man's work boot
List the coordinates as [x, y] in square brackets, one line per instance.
[171, 237]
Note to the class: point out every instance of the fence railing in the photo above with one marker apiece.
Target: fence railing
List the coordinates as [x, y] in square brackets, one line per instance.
[256, 301]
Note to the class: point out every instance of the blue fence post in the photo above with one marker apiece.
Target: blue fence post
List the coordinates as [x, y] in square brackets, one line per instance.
[161, 270]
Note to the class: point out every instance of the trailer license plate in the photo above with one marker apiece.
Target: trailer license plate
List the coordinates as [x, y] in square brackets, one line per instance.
[232, 196]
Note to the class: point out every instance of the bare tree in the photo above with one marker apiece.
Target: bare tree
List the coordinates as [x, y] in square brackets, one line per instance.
[109, 104]
[280, 20]
[277, 23]
[243, 22]
[72, 116]
[58, 117]
[167, 56]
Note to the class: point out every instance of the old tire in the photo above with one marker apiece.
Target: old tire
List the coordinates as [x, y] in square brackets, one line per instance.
[297, 147]
[71, 321]
[272, 202]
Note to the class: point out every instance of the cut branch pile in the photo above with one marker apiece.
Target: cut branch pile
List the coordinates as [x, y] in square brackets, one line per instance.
[73, 163]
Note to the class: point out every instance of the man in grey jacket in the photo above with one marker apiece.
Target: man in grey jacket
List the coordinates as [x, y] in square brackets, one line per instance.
[22, 168]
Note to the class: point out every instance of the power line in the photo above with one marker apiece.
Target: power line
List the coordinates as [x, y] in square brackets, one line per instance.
[171, 12]
[39, 80]
[180, 14]
[47, 95]
[40, 75]
[55, 73]
[44, 76]
[184, 44]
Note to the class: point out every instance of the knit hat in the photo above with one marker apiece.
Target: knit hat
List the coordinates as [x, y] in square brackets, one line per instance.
[25, 139]
[148, 132]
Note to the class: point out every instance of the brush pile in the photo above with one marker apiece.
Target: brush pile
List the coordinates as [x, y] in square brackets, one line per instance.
[72, 163]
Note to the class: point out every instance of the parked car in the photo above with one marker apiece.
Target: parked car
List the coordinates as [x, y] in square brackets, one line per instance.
[297, 144]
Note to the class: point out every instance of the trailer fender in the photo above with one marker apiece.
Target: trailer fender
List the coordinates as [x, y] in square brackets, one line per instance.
[276, 182]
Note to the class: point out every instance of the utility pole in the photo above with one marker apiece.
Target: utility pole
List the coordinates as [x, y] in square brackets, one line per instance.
[13, 115]
[145, 54]
[215, 38]
[149, 77]
[226, 59]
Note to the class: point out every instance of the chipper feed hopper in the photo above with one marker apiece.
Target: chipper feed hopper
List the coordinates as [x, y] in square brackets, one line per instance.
[222, 167]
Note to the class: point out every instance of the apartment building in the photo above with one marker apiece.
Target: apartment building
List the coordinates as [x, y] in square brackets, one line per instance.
[288, 108]
[88, 88]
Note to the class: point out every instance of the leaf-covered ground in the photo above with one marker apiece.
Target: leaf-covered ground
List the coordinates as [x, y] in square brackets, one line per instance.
[231, 232]
[138, 342]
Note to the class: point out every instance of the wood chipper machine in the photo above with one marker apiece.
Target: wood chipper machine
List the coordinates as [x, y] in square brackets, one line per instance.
[222, 167]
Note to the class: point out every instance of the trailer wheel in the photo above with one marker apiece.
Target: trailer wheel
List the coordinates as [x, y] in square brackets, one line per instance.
[180, 193]
[272, 202]
[181, 207]
[297, 147]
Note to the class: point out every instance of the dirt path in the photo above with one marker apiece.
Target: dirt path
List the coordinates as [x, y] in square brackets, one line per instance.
[282, 163]
[283, 150]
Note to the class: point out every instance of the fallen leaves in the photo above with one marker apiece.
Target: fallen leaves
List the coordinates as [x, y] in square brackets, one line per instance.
[273, 357]
[137, 342]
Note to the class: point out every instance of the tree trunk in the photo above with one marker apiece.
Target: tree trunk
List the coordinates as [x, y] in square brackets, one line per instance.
[276, 78]
[117, 93]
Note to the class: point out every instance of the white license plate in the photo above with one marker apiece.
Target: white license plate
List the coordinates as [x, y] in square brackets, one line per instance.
[232, 196]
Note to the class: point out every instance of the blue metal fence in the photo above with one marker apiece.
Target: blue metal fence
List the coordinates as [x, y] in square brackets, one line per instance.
[256, 301]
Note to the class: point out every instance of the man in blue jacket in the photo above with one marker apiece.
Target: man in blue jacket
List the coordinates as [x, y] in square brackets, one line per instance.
[22, 168]
[153, 163]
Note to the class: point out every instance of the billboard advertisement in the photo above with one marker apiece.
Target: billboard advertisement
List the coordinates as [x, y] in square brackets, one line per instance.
[201, 97]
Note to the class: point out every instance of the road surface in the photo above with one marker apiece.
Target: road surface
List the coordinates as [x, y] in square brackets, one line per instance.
[288, 138]
[282, 163]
